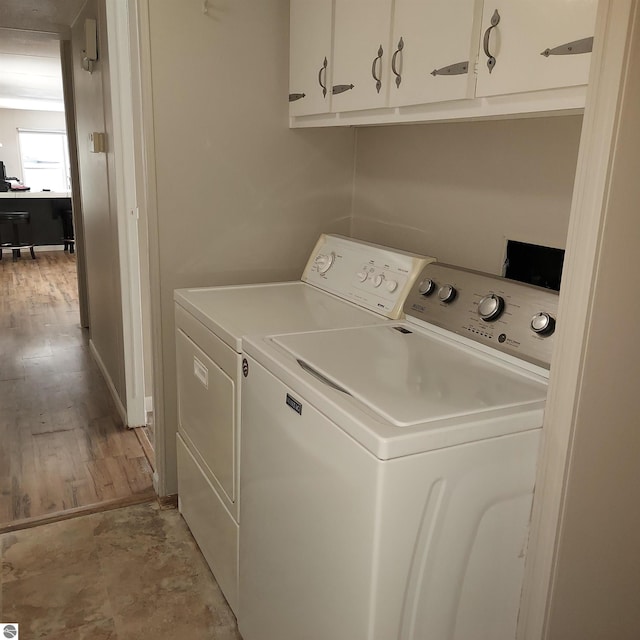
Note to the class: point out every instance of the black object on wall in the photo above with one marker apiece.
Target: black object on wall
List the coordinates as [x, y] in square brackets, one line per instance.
[534, 264]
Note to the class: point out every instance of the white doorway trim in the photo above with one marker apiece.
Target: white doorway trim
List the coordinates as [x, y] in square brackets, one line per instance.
[593, 176]
[127, 208]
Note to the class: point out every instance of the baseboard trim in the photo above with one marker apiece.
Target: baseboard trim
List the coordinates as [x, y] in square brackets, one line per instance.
[107, 378]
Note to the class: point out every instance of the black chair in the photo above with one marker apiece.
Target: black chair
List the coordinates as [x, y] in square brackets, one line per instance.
[68, 236]
[18, 220]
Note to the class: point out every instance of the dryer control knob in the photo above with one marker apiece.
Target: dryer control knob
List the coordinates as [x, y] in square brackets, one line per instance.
[491, 307]
[427, 287]
[543, 324]
[324, 262]
[392, 285]
[378, 280]
[447, 293]
[362, 276]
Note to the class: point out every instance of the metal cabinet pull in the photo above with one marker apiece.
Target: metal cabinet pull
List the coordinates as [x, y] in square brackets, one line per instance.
[296, 96]
[377, 59]
[491, 61]
[570, 48]
[394, 68]
[341, 88]
[452, 70]
[322, 77]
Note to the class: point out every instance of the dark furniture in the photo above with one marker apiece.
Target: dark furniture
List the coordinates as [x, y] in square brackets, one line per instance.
[68, 236]
[15, 232]
[46, 213]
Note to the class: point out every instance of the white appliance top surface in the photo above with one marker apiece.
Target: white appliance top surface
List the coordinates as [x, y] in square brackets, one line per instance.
[416, 377]
[234, 311]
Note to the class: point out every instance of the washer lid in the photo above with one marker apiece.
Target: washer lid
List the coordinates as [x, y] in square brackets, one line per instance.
[409, 377]
[234, 311]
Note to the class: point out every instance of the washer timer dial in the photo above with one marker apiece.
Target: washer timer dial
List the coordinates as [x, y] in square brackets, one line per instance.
[491, 307]
[324, 262]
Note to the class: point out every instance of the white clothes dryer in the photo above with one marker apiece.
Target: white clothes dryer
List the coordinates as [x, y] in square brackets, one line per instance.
[346, 283]
[388, 471]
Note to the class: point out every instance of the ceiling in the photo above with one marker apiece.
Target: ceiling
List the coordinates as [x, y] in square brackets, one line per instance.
[30, 30]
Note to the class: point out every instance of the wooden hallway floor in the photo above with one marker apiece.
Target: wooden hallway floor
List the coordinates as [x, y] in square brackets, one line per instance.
[63, 447]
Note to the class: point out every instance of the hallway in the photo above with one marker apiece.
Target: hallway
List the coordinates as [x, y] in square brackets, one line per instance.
[63, 444]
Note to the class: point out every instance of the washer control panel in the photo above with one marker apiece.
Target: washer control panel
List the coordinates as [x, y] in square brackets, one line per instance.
[372, 276]
[513, 317]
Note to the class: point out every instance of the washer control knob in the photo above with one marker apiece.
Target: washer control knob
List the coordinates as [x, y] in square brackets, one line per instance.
[378, 280]
[543, 324]
[392, 285]
[447, 293]
[491, 307]
[362, 276]
[427, 287]
[324, 262]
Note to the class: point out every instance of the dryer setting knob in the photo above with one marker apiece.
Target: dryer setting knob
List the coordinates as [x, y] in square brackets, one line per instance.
[362, 275]
[324, 262]
[543, 324]
[447, 293]
[491, 307]
[378, 280]
[427, 287]
[392, 285]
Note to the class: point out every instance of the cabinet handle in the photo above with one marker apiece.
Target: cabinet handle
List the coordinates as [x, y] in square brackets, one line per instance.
[341, 88]
[296, 96]
[491, 61]
[452, 70]
[570, 48]
[373, 69]
[394, 68]
[322, 81]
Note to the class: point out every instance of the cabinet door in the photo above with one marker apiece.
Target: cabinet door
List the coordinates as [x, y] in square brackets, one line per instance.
[361, 54]
[439, 47]
[310, 57]
[536, 45]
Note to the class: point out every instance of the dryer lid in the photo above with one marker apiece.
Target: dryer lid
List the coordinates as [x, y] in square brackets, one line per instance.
[408, 377]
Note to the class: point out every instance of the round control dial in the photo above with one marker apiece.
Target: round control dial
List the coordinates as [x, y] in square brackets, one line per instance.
[324, 262]
[543, 324]
[362, 276]
[392, 285]
[378, 280]
[491, 307]
[447, 293]
[427, 287]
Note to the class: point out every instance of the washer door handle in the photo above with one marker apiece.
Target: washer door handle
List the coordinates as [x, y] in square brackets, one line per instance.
[316, 374]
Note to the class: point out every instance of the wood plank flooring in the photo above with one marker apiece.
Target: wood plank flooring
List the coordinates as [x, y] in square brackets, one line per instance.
[62, 443]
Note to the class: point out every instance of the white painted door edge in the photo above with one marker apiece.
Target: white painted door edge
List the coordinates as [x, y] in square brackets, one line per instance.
[124, 160]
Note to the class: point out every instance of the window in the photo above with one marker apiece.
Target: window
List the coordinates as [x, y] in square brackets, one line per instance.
[45, 160]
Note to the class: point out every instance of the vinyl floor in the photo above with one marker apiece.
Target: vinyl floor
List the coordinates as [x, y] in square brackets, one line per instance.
[63, 446]
[128, 574]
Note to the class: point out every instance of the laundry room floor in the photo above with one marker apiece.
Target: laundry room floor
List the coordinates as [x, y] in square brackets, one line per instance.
[133, 572]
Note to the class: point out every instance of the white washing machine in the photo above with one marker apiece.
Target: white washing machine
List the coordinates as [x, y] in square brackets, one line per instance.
[388, 471]
[346, 283]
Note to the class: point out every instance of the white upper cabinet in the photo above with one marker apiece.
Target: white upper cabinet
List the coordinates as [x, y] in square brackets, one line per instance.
[310, 57]
[357, 62]
[437, 44]
[362, 36]
[530, 45]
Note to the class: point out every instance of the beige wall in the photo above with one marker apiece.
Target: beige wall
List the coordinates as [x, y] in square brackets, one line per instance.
[13, 119]
[240, 197]
[97, 185]
[456, 190]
